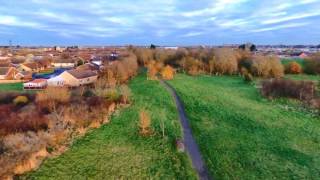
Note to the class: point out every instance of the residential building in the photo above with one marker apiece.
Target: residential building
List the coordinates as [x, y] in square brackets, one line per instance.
[8, 73]
[76, 77]
[36, 84]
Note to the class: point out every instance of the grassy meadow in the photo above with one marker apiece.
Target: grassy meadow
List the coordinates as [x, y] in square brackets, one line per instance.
[11, 87]
[245, 136]
[117, 151]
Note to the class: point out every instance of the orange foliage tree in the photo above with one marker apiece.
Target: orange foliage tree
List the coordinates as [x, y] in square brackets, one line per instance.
[167, 73]
[152, 70]
[294, 68]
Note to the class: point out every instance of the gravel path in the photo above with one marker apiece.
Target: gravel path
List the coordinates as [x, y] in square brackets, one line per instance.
[189, 142]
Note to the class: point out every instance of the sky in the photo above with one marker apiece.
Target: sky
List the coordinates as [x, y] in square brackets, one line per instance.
[161, 22]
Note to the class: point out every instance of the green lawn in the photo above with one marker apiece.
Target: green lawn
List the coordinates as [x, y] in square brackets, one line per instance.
[11, 87]
[303, 77]
[117, 151]
[244, 136]
[298, 60]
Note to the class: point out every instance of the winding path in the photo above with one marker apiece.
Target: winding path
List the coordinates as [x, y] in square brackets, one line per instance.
[189, 142]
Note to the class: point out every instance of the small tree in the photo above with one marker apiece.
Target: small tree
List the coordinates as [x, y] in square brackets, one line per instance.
[20, 100]
[144, 123]
[294, 68]
[152, 71]
[167, 73]
[125, 92]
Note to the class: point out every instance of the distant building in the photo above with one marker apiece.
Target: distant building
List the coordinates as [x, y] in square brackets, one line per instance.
[36, 84]
[64, 63]
[8, 73]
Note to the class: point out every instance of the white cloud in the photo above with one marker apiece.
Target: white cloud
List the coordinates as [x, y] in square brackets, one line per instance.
[192, 34]
[283, 26]
[289, 18]
[14, 21]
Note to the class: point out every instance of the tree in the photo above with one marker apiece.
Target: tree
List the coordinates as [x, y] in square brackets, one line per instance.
[167, 73]
[144, 123]
[152, 46]
[293, 68]
[226, 61]
[152, 71]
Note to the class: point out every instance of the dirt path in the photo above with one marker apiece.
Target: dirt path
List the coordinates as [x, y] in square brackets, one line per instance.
[189, 142]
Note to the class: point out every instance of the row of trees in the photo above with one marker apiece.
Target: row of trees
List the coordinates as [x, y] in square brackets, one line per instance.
[214, 61]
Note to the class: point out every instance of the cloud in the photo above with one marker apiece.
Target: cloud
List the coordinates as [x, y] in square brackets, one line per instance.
[283, 26]
[154, 20]
[291, 17]
[192, 34]
[14, 21]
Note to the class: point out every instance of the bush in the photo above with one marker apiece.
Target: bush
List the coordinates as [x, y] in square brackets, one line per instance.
[31, 121]
[225, 61]
[144, 123]
[20, 100]
[267, 66]
[167, 73]
[52, 96]
[312, 66]
[293, 68]
[248, 77]
[302, 90]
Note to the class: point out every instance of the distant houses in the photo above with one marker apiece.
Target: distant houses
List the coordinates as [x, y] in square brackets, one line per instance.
[36, 84]
[64, 63]
[8, 73]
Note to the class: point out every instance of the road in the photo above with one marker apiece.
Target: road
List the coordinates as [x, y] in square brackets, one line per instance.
[189, 142]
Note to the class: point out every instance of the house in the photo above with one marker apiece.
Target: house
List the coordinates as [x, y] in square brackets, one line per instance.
[36, 84]
[76, 77]
[8, 73]
[23, 75]
[303, 55]
[31, 67]
[64, 63]
[88, 66]
[56, 82]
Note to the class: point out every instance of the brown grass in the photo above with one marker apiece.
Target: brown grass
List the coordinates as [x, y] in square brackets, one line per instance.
[144, 123]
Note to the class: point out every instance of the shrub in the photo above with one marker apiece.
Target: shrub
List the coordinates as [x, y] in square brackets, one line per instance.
[125, 93]
[293, 68]
[226, 61]
[167, 73]
[312, 66]
[23, 122]
[20, 100]
[248, 77]
[88, 93]
[302, 90]
[267, 66]
[52, 96]
[144, 123]
[152, 71]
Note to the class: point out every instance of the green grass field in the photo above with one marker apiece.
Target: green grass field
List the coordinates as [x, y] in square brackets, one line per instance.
[244, 136]
[117, 151]
[287, 61]
[11, 87]
[304, 77]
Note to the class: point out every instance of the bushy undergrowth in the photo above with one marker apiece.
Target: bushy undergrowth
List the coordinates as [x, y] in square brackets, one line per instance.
[302, 90]
[31, 124]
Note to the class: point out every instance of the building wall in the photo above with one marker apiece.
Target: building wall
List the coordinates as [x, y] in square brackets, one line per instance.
[69, 80]
[63, 65]
[88, 80]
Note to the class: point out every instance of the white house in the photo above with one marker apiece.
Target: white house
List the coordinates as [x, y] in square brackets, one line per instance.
[76, 77]
[56, 81]
[64, 63]
[35, 84]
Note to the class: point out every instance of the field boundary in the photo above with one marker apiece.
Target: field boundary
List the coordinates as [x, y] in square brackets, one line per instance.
[188, 140]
